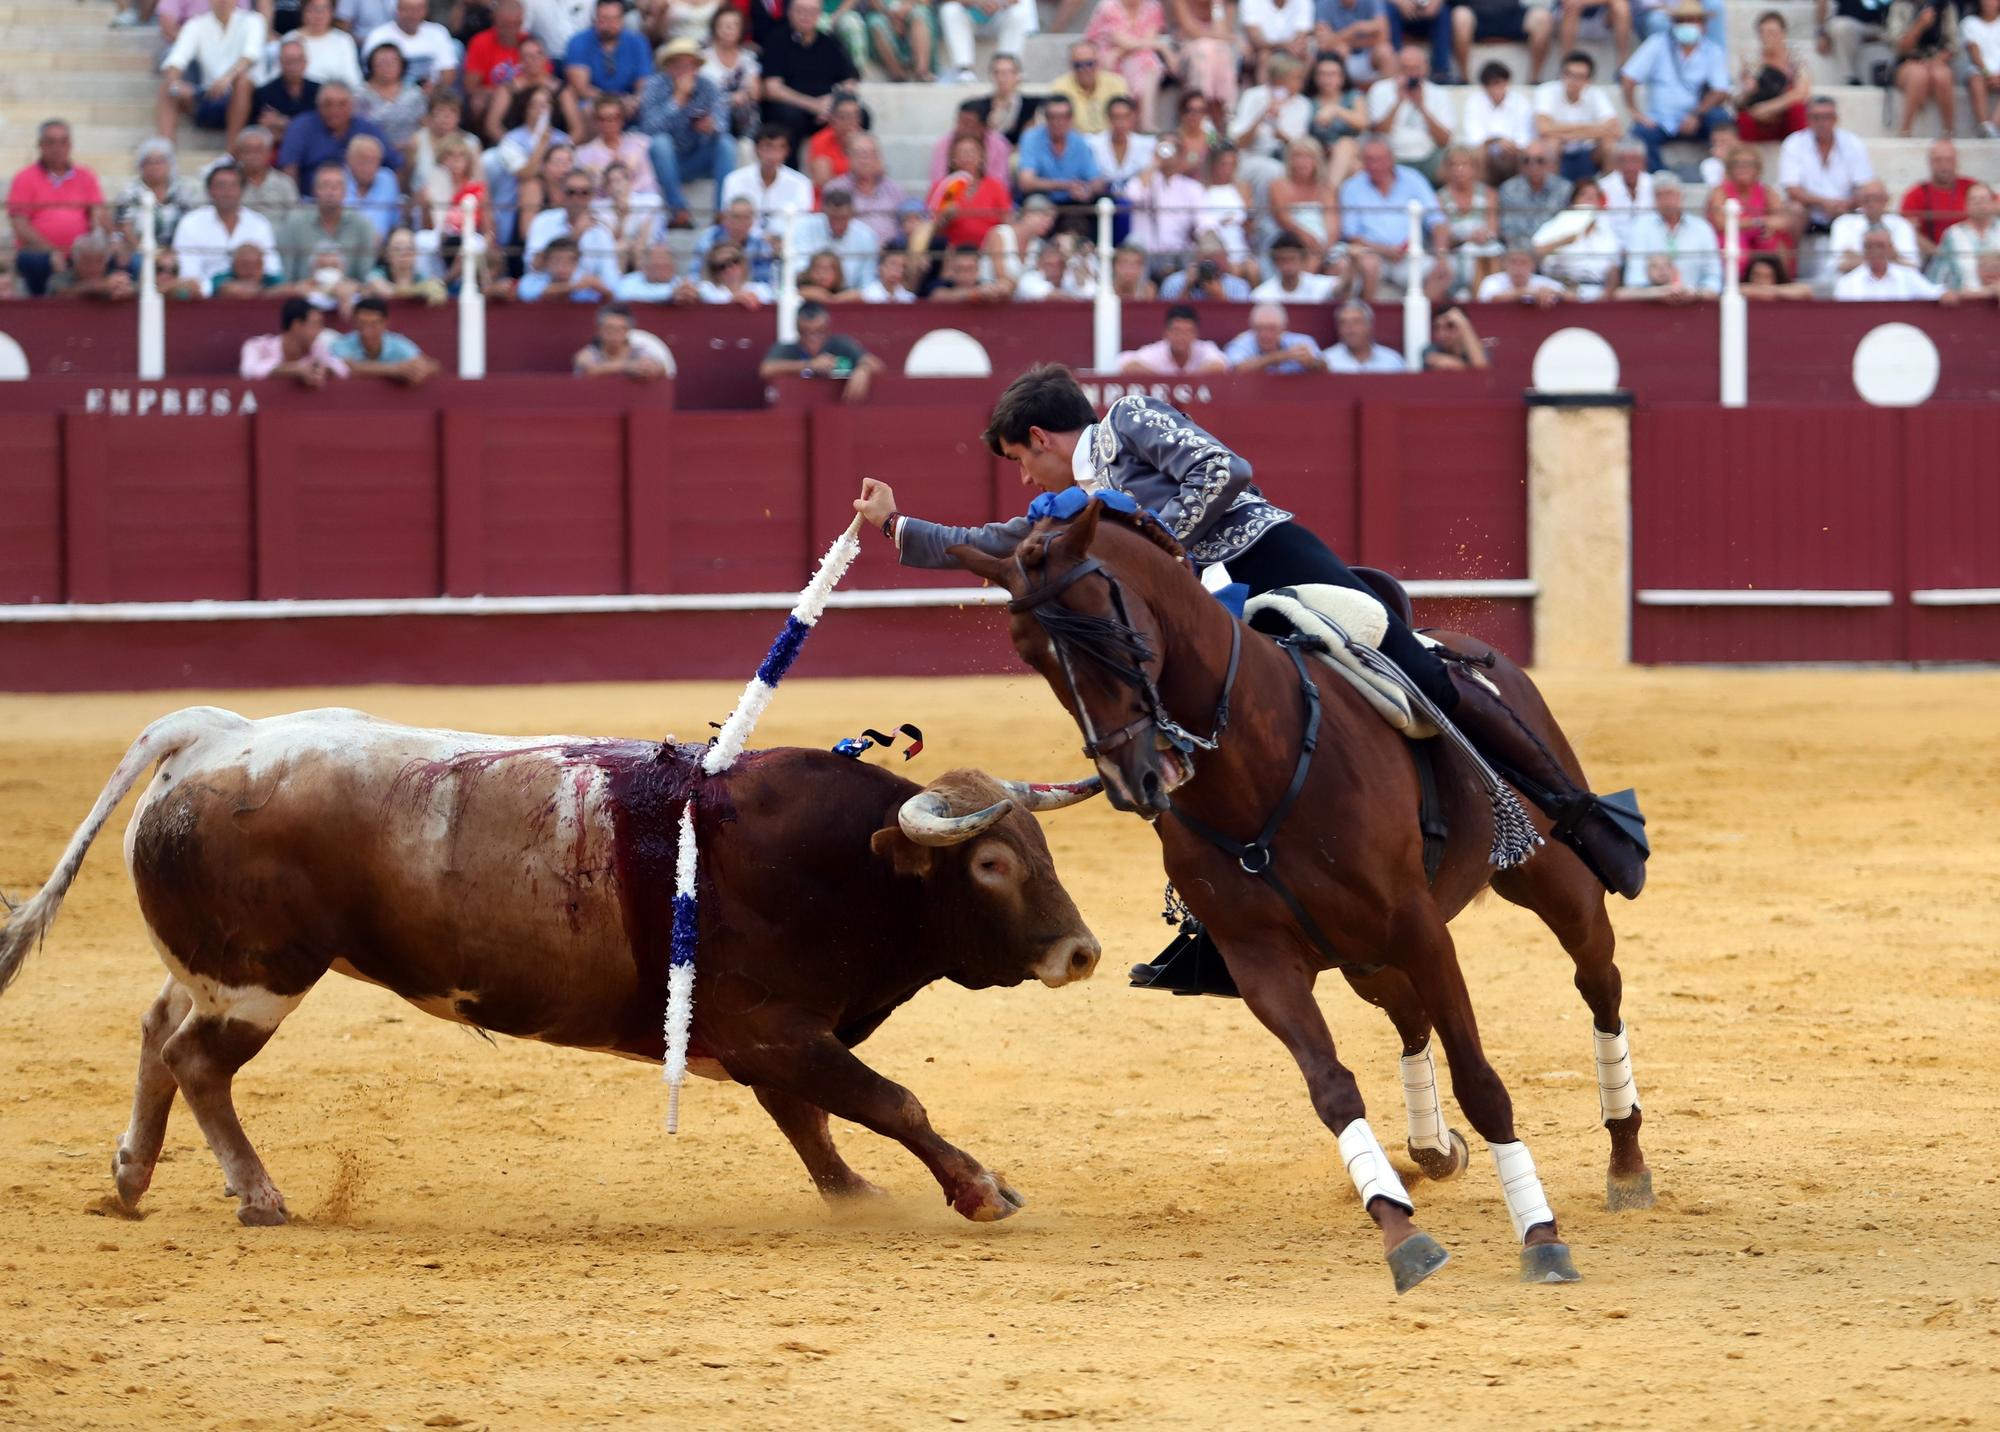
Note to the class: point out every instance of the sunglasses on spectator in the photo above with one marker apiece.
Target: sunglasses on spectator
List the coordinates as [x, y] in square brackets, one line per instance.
[1083, 64]
[581, 193]
[1535, 158]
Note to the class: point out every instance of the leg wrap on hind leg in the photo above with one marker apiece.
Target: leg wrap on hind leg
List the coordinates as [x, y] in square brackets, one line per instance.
[1617, 1094]
[1527, 1205]
[1369, 1167]
[1420, 1098]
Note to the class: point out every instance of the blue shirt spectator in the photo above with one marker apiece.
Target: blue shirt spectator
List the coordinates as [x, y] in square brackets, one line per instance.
[1337, 16]
[381, 206]
[395, 349]
[1370, 214]
[1675, 79]
[1228, 288]
[309, 143]
[619, 72]
[1077, 163]
[1243, 347]
[756, 248]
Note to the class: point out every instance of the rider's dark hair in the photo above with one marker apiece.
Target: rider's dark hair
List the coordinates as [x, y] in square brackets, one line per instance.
[1046, 397]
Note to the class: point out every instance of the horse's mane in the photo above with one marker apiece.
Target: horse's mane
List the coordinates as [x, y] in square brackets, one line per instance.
[1147, 526]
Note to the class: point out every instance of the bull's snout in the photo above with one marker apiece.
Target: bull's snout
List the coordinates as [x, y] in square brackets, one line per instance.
[1072, 958]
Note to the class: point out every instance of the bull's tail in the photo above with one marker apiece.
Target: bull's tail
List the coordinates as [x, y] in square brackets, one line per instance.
[26, 923]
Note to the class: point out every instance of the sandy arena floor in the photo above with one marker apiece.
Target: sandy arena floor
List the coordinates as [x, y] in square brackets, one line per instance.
[503, 1236]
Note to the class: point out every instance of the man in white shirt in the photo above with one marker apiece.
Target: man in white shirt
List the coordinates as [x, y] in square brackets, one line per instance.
[206, 238]
[768, 184]
[556, 22]
[1689, 242]
[1822, 165]
[1574, 113]
[1122, 152]
[1413, 114]
[428, 48]
[206, 73]
[1276, 27]
[597, 247]
[891, 283]
[1844, 239]
[1357, 351]
[1628, 189]
[1517, 282]
[1291, 283]
[836, 228]
[1268, 117]
[1881, 278]
[1499, 122]
[1050, 279]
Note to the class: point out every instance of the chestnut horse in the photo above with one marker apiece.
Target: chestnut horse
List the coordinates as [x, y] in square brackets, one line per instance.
[1187, 713]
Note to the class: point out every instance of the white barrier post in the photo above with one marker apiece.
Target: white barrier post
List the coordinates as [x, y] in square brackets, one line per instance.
[471, 296]
[1107, 315]
[788, 281]
[1735, 312]
[1416, 303]
[152, 308]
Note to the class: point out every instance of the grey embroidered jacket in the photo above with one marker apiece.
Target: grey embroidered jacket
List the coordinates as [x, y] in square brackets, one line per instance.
[1150, 451]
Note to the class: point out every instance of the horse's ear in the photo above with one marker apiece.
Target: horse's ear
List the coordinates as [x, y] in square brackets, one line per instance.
[984, 565]
[1076, 536]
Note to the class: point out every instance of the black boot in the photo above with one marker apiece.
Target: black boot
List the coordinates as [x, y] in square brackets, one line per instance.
[1608, 832]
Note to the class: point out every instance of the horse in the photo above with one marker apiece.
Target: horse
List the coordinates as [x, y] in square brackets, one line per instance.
[1208, 729]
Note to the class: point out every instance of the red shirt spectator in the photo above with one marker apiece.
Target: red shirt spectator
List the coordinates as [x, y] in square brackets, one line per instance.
[489, 50]
[968, 202]
[52, 203]
[1939, 202]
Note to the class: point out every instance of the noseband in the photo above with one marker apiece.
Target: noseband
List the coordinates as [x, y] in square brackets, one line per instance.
[1116, 646]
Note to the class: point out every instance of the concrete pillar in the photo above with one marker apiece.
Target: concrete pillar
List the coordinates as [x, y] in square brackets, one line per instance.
[1580, 529]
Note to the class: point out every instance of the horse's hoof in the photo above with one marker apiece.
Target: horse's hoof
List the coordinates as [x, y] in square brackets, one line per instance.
[1438, 1164]
[262, 1215]
[130, 1180]
[1415, 1259]
[1634, 1191]
[1548, 1263]
[988, 1199]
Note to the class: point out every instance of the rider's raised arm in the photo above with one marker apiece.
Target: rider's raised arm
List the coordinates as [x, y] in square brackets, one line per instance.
[927, 544]
[1169, 464]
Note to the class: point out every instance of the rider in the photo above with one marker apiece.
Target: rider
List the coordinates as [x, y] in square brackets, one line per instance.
[1203, 493]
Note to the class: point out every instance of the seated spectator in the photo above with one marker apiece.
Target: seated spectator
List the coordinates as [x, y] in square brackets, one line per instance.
[430, 55]
[1578, 247]
[279, 101]
[1969, 240]
[685, 115]
[329, 221]
[331, 54]
[267, 190]
[824, 280]
[1099, 74]
[655, 280]
[1879, 277]
[1472, 219]
[1687, 241]
[1357, 351]
[1210, 52]
[891, 281]
[1484, 20]
[1844, 242]
[398, 275]
[1988, 288]
[1532, 197]
[959, 280]
[1412, 113]
[1180, 351]
[209, 236]
[372, 351]
[1270, 118]
[301, 350]
[1766, 278]
[1517, 282]
[613, 145]
[737, 225]
[1768, 222]
[836, 229]
[1820, 167]
[1662, 282]
[904, 36]
[1195, 127]
[321, 138]
[1375, 222]
[826, 157]
[1225, 212]
[1302, 204]
[1355, 32]
[1129, 279]
[1122, 153]
[968, 124]
[1292, 282]
[1617, 16]
[1056, 161]
[386, 99]
[1166, 201]
[361, 18]
[1576, 116]
[803, 69]
[205, 74]
[1455, 346]
[1266, 346]
[372, 191]
[1938, 202]
[606, 59]
[1685, 79]
[968, 202]
[1339, 115]
[491, 56]
[326, 281]
[1006, 111]
[1924, 48]
[878, 199]
[769, 185]
[1009, 246]
[633, 220]
[726, 279]
[1207, 278]
[1771, 100]
[246, 276]
[89, 273]
[1628, 188]
[169, 281]
[1010, 22]
[622, 350]
[173, 196]
[1054, 277]
[578, 221]
[819, 352]
[1275, 27]
[453, 179]
[514, 106]
[1499, 121]
[1979, 59]
[562, 276]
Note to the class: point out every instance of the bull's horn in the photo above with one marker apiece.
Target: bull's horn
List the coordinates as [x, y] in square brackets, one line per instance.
[1038, 795]
[926, 818]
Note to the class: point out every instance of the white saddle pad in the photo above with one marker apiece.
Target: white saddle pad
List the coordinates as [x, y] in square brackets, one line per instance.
[1339, 616]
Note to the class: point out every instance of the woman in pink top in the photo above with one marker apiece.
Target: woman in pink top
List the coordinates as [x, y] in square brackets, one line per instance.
[1133, 34]
[1769, 224]
[1209, 57]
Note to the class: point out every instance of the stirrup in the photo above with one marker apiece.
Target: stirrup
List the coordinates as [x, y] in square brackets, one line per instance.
[1190, 964]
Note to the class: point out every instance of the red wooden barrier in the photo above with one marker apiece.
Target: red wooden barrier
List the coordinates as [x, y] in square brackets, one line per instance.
[347, 509]
[31, 497]
[534, 504]
[1952, 502]
[158, 509]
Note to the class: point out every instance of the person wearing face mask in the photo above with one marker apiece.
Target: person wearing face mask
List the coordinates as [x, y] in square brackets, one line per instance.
[1686, 84]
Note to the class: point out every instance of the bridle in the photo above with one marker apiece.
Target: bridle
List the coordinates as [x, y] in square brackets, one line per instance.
[1117, 647]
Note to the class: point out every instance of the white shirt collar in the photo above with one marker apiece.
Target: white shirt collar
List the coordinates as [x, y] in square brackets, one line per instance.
[1081, 465]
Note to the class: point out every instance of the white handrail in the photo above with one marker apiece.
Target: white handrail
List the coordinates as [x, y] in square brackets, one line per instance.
[788, 279]
[1734, 313]
[1416, 303]
[152, 308]
[471, 296]
[1107, 317]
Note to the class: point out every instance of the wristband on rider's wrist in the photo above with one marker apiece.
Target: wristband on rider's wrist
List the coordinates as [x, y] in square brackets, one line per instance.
[889, 525]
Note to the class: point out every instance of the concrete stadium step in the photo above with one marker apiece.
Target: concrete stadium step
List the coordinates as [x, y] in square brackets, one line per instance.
[89, 86]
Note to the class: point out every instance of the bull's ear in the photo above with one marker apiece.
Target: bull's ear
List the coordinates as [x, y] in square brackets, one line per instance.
[904, 855]
[983, 565]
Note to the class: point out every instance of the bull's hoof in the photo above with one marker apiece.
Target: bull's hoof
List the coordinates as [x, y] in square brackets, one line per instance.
[130, 1179]
[1629, 1192]
[988, 1199]
[1548, 1263]
[262, 1215]
[1438, 1164]
[1415, 1259]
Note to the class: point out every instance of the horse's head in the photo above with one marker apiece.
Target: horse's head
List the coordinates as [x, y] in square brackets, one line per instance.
[1085, 614]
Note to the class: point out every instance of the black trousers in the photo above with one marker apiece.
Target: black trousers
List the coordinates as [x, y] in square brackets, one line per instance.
[1291, 554]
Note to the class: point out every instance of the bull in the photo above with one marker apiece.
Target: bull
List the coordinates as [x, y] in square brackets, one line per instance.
[524, 887]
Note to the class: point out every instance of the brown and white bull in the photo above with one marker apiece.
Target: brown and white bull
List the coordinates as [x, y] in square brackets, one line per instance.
[525, 887]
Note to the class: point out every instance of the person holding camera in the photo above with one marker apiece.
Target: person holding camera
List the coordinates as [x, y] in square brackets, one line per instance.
[1411, 113]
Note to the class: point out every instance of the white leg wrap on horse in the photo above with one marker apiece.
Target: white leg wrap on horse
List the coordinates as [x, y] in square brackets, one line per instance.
[1526, 1203]
[1420, 1098]
[1617, 1095]
[1369, 1167]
